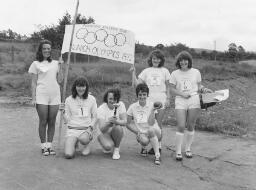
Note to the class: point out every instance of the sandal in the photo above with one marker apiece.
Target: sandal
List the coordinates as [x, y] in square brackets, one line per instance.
[157, 160]
[51, 151]
[179, 157]
[188, 154]
[45, 152]
[143, 152]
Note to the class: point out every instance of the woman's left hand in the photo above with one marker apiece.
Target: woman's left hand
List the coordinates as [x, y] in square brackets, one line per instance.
[167, 103]
[61, 61]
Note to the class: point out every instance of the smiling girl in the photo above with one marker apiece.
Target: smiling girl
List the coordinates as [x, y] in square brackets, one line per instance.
[185, 85]
[80, 114]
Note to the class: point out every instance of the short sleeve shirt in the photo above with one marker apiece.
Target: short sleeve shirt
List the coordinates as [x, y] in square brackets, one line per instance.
[155, 78]
[105, 113]
[140, 115]
[47, 76]
[186, 81]
[80, 111]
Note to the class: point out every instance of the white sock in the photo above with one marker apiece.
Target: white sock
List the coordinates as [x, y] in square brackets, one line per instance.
[189, 139]
[160, 144]
[43, 145]
[48, 145]
[178, 142]
[155, 145]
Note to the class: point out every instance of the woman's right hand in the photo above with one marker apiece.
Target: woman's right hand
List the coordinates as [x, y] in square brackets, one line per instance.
[185, 95]
[62, 107]
[132, 69]
[33, 102]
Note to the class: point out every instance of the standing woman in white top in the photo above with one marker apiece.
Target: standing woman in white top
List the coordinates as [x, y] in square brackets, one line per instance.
[185, 85]
[111, 120]
[46, 76]
[157, 77]
[80, 114]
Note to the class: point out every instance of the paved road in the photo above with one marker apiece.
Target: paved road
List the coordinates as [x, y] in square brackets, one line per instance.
[220, 162]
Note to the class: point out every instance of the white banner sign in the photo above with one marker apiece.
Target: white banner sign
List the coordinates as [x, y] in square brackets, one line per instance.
[102, 41]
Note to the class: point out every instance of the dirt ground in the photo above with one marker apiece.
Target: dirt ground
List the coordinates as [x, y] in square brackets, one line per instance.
[219, 162]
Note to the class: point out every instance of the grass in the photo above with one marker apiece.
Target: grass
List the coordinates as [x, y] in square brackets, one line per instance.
[231, 117]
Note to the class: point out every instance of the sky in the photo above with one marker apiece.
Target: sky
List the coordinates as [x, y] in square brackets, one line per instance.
[195, 23]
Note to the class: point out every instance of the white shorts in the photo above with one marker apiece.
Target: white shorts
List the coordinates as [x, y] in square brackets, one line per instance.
[76, 133]
[186, 104]
[158, 97]
[47, 99]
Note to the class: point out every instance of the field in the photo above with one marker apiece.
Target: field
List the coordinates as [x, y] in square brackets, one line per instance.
[235, 117]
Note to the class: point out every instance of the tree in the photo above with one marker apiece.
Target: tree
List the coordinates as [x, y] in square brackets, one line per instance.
[232, 50]
[55, 33]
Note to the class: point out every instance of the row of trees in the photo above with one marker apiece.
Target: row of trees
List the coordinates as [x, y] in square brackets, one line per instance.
[55, 33]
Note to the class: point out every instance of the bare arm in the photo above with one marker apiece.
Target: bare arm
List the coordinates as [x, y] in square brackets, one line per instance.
[33, 87]
[131, 126]
[202, 89]
[176, 92]
[60, 75]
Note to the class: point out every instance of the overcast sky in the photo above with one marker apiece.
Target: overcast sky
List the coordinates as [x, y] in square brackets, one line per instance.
[196, 23]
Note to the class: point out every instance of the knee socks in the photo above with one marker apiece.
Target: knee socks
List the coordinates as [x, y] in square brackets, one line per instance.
[178, 142]
[189, 139]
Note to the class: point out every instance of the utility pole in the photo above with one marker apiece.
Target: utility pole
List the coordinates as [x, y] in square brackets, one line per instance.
[215, 52]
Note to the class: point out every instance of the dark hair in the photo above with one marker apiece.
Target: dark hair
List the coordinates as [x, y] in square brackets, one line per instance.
[116, 92]
[183, 55]
[142, 87]
[80, 81]
[159, 54]
[39, 53]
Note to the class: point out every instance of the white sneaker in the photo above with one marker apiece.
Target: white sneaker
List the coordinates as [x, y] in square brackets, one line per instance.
[116, 154]
[86, 150]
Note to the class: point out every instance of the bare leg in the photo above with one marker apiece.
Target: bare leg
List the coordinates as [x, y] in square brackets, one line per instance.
[191, 121]
[70, 147]
[52, 113]
[42, 111]
[117, 135]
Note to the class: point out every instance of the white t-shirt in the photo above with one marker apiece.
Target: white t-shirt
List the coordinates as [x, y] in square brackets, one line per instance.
[80, 112]
[140, 115]
[155, 78]
[186, 81]
[47, 76]
[105, 113]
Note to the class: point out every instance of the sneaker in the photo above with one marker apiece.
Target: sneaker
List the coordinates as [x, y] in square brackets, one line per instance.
[51, 151]
[144, 151]
[179, 157]
[45, 152]
[86, 150]
[188, 154]
[157, 160]
[116, 154]
[152, 152]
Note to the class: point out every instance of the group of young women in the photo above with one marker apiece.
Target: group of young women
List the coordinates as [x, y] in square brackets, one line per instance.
[154, 87]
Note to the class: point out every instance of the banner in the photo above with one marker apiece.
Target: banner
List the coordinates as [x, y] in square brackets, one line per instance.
[102, 41]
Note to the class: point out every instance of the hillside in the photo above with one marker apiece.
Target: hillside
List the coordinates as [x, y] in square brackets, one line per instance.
[236, 116]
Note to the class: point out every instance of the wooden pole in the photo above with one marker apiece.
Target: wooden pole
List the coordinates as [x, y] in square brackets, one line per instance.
[66, 73]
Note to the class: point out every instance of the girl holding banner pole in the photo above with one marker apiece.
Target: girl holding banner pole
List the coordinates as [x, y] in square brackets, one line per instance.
[46, 76]
[185, 84]
[111, 120]
[157, 77]
[80, 114]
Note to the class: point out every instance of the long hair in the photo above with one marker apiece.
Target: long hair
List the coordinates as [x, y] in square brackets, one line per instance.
[39, 53]
[80, 81]
[116, 92]
[183, 55]
[159, 54]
